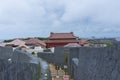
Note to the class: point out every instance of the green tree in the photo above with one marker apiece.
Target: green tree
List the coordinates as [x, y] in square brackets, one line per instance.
[108, 43]
[33, 53]
[65, 58]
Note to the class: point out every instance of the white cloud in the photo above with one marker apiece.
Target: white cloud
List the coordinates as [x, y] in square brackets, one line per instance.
[103, 11]
[90, 17]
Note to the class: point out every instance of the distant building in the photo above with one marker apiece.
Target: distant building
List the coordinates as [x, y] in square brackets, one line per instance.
[72, 45]
[35, 45]
[61, 39]
[102, 42]
[84, 42]
[33, 42]
[2, 44]
[17, 43]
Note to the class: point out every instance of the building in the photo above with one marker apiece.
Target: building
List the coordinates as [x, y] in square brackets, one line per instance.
[17, 43]
[61, 39]
[35, 45]
[34, 42]
[72, 45]
[2, 44]
[102, 42]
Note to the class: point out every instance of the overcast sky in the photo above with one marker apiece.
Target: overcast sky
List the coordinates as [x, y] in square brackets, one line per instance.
[37, 18]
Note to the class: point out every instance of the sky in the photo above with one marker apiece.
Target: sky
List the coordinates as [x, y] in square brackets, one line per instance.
[37, 18]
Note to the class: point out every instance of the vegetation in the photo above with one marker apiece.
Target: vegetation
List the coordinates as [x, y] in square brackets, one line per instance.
[33, 53]
[27, 38]
[65, 58]
[38, 73]
[8, 40]
[42, 38]
[108, 43]
[79, 38]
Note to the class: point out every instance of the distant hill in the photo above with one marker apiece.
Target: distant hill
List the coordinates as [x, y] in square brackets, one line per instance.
[40, 38]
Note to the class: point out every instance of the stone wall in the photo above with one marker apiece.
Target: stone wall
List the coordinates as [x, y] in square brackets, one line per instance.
[94, 63]
[17, 65]
[101, 63]
[5, 53]
[19, 71]
[57, 57]
[20, 57]
[73, 53]
[47, 56]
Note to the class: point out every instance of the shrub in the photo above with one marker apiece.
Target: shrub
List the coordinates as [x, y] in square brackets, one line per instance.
[108, 43]
[33, 53]
[65, 58]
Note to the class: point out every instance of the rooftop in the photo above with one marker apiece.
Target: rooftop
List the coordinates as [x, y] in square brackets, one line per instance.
[35, 41]
[72, 45]
[62, 35]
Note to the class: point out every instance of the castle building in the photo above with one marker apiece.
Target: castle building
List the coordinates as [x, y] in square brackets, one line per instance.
[61, 39]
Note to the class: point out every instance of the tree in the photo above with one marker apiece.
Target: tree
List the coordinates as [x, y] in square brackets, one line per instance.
[65, 58]
[108, 43]
[33, 53]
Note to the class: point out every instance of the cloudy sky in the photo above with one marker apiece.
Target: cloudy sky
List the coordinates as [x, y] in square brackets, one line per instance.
[37, 18]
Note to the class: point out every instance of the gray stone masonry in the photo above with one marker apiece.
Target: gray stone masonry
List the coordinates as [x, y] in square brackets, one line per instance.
[93, 63]
[5, 53]
[16, 65]
[101, 63]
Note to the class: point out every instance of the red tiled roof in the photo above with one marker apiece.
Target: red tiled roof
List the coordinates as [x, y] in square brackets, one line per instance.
[62, 35]
[72, 45]
[17, 42]
[35, 41]
[2, 44]
[84, 41]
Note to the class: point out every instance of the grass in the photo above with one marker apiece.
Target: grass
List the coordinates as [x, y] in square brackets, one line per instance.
[37, 77]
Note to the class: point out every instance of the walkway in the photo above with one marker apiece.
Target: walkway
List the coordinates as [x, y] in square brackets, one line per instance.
[56, 75]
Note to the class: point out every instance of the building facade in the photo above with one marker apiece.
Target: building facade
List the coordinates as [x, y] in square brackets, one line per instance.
[61, 39]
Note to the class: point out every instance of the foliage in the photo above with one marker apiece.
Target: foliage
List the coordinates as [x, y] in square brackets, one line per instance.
[108, 43]
[8, 40]
[65, 58]
[79, 38]
[42, 38]
[33, 53]
[38, 73]
[27, 38]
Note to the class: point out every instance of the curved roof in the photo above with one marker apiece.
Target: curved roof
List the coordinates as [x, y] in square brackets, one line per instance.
[72, 45]
[62, 36]
[35, 41]
[17, 42]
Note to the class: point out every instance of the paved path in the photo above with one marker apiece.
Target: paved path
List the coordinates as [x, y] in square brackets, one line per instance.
[55, 75]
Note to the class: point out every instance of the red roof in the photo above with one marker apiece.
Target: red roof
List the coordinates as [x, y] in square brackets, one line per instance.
[35, 41]
[62, 36]
[83, 41]
[72, 45]
[2, 44]
[17, 42]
